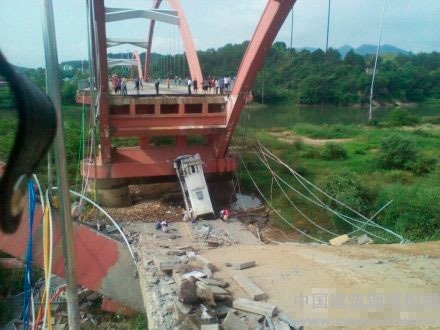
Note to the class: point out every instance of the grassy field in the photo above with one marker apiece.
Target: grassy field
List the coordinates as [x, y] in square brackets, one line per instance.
[350, 163]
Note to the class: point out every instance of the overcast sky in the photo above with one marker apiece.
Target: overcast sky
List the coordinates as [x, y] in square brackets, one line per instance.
[412, 25]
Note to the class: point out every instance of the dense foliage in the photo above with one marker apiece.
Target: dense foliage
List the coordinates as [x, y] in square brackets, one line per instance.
[302, 76]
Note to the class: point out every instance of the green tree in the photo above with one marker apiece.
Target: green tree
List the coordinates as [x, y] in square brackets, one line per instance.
[397, 152]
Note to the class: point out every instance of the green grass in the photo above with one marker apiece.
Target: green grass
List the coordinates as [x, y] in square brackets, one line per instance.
[415, 210]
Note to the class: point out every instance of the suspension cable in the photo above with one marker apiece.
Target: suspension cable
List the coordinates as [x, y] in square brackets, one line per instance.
[300, 179]
[370, 113]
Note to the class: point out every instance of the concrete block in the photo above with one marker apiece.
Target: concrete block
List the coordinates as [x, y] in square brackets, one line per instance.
[204, 262]
[232, 322]
[212, 281]
[251, 289]
[222, 310]
[166, 263]
[363, 239]
[209, 327]
[255, 307]
[204, 293]
[243, 265]
[339, 240]
[180, 311]
[214, 289]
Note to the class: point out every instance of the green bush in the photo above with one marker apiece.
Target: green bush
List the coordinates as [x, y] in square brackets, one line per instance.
[347, 187]
[334, 151]
[401, 117]
[414, 212]
[423, 165]
[397, 152]
[68, 92]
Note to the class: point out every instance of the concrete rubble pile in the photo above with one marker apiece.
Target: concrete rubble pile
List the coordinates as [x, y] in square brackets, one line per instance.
[183, 292]
[206, 234]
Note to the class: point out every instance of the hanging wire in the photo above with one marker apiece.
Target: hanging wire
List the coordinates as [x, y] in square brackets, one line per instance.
[317, 201]
[275, 210]
[370, 113]
[27, 276]
[328, 25]
[328, 208]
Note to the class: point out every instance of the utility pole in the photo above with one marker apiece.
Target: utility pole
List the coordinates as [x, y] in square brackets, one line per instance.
[53, 88]
[328, 24]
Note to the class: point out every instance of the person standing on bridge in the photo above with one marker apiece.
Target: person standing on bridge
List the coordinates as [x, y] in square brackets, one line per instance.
[136, 85]
[124, 86]
[156, 85]
[195, 86]
[189, 83]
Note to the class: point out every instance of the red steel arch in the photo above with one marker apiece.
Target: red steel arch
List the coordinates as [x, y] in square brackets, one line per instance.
[188, 43]
[211, 117]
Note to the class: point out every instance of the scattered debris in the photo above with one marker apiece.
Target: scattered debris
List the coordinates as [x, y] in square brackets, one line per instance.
[363, 239]
[339, 240]
[253, 291]
[243, 265]
[255, 307]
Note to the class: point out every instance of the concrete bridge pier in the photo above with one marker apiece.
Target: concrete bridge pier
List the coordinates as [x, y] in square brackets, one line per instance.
[111, 192]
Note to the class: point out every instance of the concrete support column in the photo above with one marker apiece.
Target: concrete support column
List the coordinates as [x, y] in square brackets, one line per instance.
[112, 192]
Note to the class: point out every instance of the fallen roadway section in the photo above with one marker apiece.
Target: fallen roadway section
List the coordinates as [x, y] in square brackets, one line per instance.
[216, 275]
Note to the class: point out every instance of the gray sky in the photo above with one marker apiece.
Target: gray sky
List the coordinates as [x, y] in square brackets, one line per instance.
[412, 25]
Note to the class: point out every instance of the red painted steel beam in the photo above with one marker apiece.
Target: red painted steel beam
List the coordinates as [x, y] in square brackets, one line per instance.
[188, 43]
[138, 63]
[270, 23]
[101, 264]
[156, 162]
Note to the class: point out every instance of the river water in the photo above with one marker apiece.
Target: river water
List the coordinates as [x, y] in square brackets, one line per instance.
[287, 115]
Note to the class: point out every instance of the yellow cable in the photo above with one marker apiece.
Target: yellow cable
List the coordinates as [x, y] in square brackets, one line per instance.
[46, 253]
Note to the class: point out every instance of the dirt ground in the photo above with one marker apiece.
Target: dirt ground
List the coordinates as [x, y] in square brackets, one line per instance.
[316, 283]
[303, 280]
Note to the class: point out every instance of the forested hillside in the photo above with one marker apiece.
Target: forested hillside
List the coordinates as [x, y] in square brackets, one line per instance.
[327, 78]
[309, 77]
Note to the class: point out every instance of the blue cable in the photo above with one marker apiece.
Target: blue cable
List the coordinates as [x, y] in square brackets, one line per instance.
[26, 311]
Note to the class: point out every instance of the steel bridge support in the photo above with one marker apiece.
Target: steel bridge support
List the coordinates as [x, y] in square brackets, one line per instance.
[270, 23]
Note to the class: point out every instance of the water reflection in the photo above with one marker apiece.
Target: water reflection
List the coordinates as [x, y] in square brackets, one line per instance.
[287, 115]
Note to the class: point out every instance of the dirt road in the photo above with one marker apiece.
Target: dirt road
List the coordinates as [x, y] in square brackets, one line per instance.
[351, 282]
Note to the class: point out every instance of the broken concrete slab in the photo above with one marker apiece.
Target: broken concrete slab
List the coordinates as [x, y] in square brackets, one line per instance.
[233, 322]
[204, 262]
[339, 240]
[255, 307]
[206, 295]
[180, 311]
[215, 289]
[363, 239]
[195, 274]
[222, 310]
[251, 289]
[209, 327]
[165, 263]
[212, 281]
[243, 265]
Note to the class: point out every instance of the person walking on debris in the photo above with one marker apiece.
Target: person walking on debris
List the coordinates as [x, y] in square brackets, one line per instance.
[224, 215]
[164, 226]
[188, 215]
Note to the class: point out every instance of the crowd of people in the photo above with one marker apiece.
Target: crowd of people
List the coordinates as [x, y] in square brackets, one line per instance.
[211, 85]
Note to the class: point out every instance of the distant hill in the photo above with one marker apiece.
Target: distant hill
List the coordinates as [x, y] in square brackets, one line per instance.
[366, 49]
